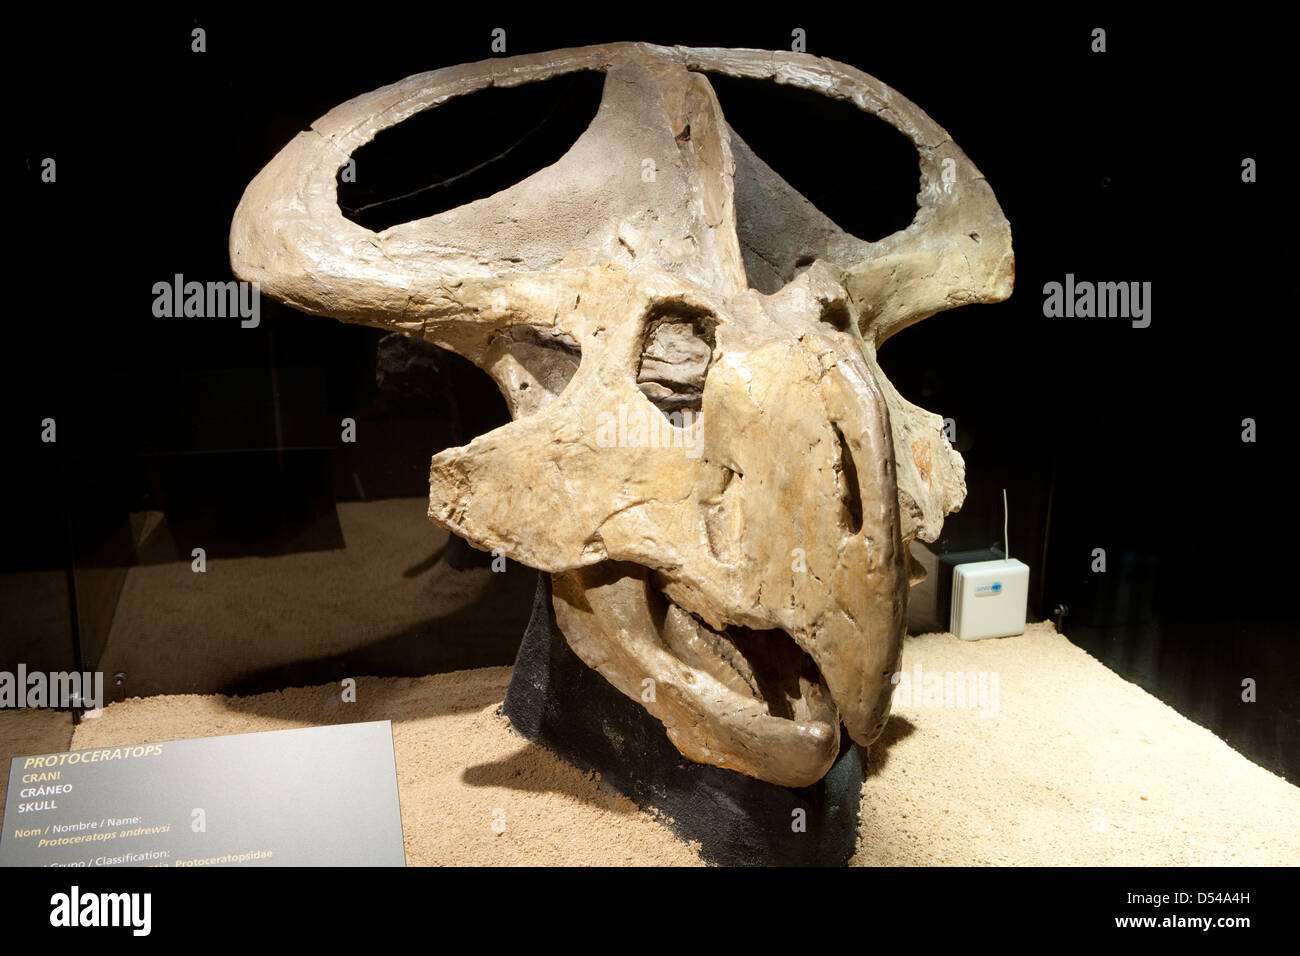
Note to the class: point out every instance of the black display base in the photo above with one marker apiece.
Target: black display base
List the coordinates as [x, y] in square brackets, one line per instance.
[557, 701]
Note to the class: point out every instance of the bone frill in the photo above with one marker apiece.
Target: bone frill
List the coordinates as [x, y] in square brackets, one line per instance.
[704, 453]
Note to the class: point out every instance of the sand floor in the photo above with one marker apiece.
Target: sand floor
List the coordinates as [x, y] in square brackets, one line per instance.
[1060, 762]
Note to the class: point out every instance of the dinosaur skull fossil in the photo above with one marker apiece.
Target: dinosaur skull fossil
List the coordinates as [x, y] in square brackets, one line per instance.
[704, 453]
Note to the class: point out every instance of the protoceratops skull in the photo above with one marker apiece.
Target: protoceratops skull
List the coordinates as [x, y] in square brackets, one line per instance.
[743, 571]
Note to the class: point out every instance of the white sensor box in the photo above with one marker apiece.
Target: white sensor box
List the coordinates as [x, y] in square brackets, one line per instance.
[989, 599]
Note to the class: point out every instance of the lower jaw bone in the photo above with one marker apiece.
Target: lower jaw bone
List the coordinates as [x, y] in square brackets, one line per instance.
[746, 700]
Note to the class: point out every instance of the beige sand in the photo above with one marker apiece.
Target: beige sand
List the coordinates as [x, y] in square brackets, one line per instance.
[27, 732]
[1076, 766]
[381, 597]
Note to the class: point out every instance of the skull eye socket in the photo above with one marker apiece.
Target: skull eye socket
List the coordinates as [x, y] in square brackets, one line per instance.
[676, 352]
[469, 148]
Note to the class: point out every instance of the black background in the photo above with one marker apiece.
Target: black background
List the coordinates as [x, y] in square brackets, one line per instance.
[1121, 166]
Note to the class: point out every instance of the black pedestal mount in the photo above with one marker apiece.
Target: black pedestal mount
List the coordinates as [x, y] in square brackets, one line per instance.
[558, 702]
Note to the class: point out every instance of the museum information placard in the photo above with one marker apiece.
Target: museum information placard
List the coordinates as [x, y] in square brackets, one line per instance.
[320, 796]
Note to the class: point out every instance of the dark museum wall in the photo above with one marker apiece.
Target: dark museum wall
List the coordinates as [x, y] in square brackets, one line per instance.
[1122, 166]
